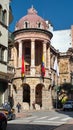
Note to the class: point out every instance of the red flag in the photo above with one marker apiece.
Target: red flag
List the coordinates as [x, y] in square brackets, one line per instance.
[22, 68]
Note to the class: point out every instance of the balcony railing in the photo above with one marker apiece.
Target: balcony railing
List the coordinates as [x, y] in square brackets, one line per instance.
[28, 73]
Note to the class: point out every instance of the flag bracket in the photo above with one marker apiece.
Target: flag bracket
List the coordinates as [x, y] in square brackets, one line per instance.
[41, 79]
[23, 78]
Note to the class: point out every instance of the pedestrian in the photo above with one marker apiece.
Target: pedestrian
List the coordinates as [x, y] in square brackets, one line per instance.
[18, 107]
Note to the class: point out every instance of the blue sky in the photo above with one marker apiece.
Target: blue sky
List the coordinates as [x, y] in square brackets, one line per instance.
[59, 12]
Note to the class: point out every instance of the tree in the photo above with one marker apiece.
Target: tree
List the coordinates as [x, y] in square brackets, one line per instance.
[64, 91]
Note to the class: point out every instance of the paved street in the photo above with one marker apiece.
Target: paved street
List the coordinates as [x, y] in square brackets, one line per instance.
[41, 120]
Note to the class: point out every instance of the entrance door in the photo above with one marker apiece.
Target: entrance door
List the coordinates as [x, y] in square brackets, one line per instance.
[26, 93]
[39, 95]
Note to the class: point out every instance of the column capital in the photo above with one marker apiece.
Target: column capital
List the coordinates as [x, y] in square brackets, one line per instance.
[45, 41]
[32, 39]
[20, 41]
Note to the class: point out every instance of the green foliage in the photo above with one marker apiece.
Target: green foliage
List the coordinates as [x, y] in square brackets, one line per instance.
[68, 87]
[63, 91]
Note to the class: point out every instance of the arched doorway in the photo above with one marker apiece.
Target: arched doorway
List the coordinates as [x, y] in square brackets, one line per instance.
[38, 94]
[26, 93]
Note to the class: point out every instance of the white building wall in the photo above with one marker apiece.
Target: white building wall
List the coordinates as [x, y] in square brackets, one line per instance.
[5, 5]
[3, 68]
[4, 36]
[4, 32]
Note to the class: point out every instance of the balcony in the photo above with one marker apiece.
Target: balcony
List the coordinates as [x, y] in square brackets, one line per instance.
[28, 73]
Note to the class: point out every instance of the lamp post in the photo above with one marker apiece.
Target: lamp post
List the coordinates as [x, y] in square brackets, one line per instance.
[57, 90]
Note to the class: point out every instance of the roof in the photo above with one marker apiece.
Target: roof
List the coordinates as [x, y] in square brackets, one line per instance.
[32, 19]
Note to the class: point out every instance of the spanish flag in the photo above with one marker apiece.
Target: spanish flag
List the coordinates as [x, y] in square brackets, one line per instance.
[43, 67]
[22, 68]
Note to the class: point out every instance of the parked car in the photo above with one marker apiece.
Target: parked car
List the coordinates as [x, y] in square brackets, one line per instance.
[3, 121]
[8, 111]
[68, 105]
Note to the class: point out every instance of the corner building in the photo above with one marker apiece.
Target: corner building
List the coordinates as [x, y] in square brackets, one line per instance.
[6, 18]
[32, 40]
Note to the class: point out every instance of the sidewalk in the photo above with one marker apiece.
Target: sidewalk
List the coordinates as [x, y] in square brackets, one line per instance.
[23, 114]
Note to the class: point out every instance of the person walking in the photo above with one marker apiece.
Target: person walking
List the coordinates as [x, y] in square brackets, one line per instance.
[18, 107]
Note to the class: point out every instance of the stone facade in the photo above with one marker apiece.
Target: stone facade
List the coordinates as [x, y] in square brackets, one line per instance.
[32, 39]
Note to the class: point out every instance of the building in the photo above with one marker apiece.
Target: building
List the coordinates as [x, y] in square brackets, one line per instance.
[33, 45]
[32, 41]
[5, 19]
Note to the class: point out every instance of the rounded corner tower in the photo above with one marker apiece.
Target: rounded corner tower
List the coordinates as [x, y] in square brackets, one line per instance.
[31, 80]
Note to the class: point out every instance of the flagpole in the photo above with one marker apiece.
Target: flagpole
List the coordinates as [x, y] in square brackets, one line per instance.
[57, 93]
[57, 75]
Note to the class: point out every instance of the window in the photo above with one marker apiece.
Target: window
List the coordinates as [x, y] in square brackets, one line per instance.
[9, 53]
[2, 53]
[4, 16]
[39, 25]
[0, 13]
[26, 24]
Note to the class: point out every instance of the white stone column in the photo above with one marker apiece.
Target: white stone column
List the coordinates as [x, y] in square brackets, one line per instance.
[20, 53]
[32, 56]
[48, 62]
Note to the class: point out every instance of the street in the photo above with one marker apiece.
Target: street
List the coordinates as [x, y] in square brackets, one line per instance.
[41, 120]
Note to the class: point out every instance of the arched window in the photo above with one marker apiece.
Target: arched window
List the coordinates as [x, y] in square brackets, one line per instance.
[26, 24]
[0, 13]
[39, 25]
[4, 16]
